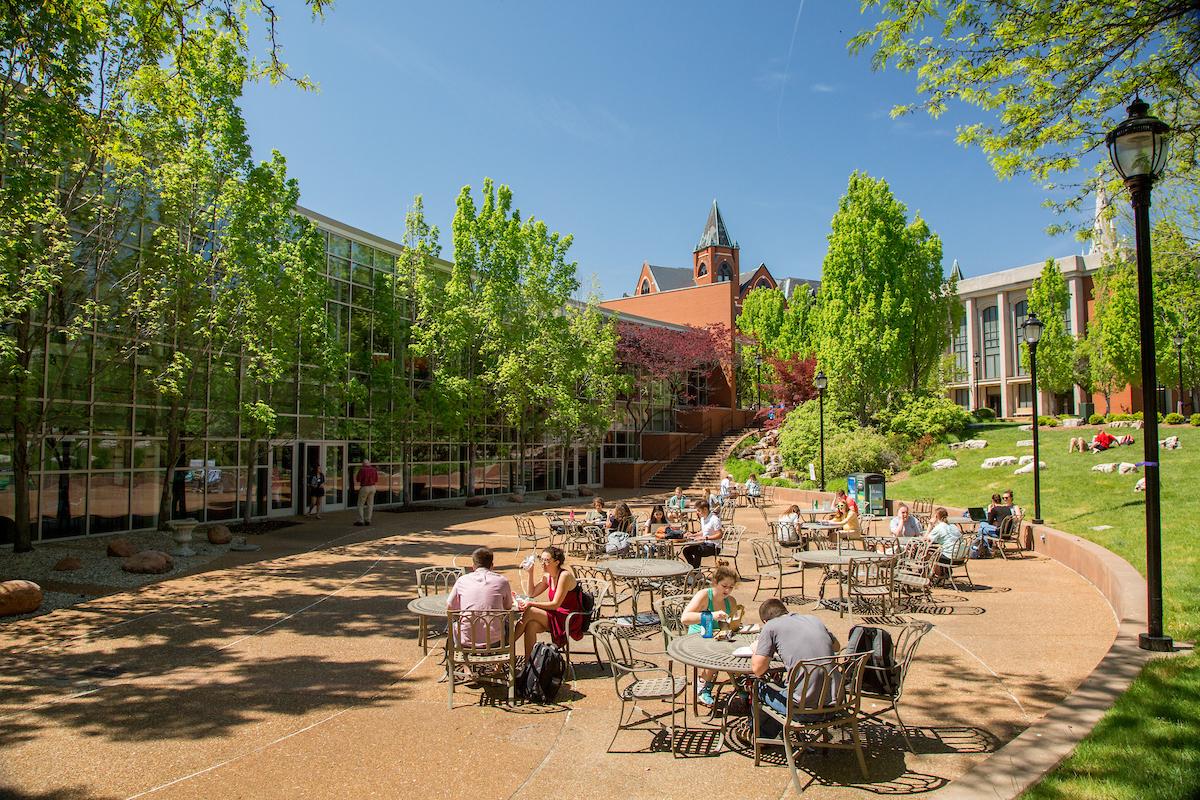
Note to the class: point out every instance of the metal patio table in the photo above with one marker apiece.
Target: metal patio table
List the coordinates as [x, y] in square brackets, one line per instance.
[430, 606]
[637, 570]
[835, 559]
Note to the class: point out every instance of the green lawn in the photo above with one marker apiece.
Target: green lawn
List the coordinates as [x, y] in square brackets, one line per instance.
[1148, 745]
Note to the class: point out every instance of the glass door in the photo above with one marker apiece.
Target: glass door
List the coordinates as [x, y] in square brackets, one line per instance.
[281, 482]
[334, 456]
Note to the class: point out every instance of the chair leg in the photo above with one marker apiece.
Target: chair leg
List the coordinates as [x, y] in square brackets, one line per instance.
[790, 754]
[858, 751]
[903, 730]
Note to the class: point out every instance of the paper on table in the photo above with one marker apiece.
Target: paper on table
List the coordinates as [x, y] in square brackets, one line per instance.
[742, 652]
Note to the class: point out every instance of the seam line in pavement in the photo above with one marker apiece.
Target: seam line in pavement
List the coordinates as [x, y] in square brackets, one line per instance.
[974, 655]
[549, 752]
[274, 742]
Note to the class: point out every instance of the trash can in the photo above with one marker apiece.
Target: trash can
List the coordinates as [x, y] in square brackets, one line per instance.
[869, 490]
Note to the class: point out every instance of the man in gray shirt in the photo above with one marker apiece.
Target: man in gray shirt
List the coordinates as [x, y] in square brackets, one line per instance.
[790, 638]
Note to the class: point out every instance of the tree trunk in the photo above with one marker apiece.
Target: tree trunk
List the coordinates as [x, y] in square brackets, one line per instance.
[174, 451]
[251, 476]
[23, 535]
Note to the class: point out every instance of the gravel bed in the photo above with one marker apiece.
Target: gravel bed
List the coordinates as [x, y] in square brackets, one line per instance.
[98, 568]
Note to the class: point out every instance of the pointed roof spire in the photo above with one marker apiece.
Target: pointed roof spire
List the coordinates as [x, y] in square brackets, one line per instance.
[1104, 229]
[955, 272]
[715, 233]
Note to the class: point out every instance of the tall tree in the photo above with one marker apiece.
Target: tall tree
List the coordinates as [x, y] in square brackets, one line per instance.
[762, 317]
[1050, 299]
[796, 333]
[885, 312]
[1051, 76]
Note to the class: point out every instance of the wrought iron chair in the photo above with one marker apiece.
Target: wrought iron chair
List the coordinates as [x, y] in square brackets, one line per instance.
[481, 646]
[914, 572]
[870, 581]
[1009, 533]
[903, 649]
[832, 692]
[598, 589]
[528, 533]
[884, 544]
[726, 512]
[786, 534]
[669, 609]
[768, 561]
[731, 545]
[958, 560]
[434, 580]
[637, 681]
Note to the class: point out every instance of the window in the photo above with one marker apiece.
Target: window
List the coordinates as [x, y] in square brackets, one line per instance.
[724, 273]
[1024, 396]
[763, 283]
[959, 348]
[962, 397]
[990, 323]
[645, 286]
[1020, 314]
[701, 270]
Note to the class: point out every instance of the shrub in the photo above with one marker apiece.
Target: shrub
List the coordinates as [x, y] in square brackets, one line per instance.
[1048, 422]
[1174, 419]
[984, 414]
[799, 438]
[920, 469]
[1096, 419]
[1136, 415]
[741, 469]
[1196, 420]
[924, 415]
[863, 450]
[917, 449]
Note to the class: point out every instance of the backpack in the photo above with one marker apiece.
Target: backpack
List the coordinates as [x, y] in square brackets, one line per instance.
[542, 675]
[618, 542]
[881, 675]
[587, 604]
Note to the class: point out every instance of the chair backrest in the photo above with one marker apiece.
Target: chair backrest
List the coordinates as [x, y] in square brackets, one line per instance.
[597, 587]
[887, 544]
[726, 512]
[827, 688]
[904, 648]
[766, 553]
[871, 572]
[617, 642]
[1009, 526]
[437, 580]
[525, 527]
[962, 550]
[477, 634]
[915, 560]
[669, 610]
[823, 543]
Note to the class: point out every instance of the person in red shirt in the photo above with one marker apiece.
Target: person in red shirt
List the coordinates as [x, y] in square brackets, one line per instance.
[1102, 441]
[365, 480]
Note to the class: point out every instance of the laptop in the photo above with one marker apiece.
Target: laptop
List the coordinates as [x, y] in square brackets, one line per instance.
[977, 513]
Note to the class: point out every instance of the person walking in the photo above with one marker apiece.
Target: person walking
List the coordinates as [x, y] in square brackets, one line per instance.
[316, 490]
[364, 481]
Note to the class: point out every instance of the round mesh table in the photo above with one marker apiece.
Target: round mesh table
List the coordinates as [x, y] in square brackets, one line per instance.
[433, 605]
[646, 567]
[832, 558]
[715, 654]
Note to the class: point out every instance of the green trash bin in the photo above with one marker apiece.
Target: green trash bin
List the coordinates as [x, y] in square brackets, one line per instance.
[869, 490]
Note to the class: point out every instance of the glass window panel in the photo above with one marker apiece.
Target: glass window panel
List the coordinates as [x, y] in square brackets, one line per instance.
[310, 427]
[225, 481]
[147, 421]
[362, 275]
[991, 342]
[8, 496]
[110, 454]
[339, 268]
[339, 245]
[147, 453]
[108, 502]
[111, 420]
[1019, 315]
[340, 291]
[384, 261]
[65, 453]
[362, 253]
[285, 426]
[114, 375]
[222, 423]
[62, 505]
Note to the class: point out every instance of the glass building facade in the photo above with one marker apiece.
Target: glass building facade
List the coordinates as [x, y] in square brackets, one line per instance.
[100, 466]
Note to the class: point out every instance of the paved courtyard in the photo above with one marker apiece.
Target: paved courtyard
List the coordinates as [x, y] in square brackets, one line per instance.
[295, 672]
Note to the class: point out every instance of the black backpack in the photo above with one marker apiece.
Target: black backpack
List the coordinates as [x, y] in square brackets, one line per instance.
[881, 675]
[587, 604]
[542, 675]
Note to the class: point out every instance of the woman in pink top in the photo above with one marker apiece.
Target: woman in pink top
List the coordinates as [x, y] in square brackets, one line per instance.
[563, 596]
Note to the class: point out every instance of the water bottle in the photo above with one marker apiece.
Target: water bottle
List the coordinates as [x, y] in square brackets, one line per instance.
[706, 624]
[572, 515]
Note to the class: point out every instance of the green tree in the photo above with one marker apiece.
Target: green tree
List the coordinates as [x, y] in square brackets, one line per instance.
[1050, 299]
[1051, 76]
[762, 317]
[796, 335]
[885, 312]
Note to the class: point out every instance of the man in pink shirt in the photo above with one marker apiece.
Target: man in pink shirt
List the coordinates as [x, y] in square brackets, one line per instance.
[481, 590]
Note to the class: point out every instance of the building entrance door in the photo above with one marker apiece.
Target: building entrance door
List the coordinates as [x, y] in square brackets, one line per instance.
[331, 458]
[280, 480]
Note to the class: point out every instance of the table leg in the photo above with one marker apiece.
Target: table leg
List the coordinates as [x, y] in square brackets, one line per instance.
[423, 634]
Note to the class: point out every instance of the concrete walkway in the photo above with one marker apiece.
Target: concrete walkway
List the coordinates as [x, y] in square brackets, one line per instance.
[294, 673]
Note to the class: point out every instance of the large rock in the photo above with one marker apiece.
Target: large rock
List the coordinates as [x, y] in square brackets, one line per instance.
[1028, 468]
[969, 444]
[1025, 443]
[1028, 427]
[68, 564]
[1140, 486]
[475, 502]
[552, 497]
[1110, 467]
[148, 562]
[1170, 443]
[1025, 460]
[121, 548]
[516, 498]
[945, 463]
[219, 534]
[585, 491]
[998, 461]
[1071, 422]
[1127, 468]
[19, 597]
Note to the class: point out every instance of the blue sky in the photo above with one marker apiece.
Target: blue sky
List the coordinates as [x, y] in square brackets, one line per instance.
[620, 122]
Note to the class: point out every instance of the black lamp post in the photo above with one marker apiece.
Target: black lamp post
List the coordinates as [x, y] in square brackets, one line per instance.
[820, 381]
[1138, 148]
[1033, 335]
[1178, 341]
[758, 379]
[975, 393]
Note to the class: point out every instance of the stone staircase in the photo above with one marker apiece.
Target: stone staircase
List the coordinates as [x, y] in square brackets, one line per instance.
[702, 467]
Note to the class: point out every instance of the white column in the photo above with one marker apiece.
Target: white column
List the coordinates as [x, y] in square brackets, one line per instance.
[1006, 353]
[1078, 321]
[972, 348]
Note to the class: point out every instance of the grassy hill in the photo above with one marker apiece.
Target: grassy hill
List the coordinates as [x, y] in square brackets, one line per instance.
[1148, 745]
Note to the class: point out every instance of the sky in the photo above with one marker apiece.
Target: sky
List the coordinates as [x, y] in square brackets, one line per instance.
[620, 122]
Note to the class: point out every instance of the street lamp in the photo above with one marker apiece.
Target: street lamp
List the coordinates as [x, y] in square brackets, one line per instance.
[975, 391]
[758, 379]
[1138, 148]
[1178, 341]
[820, 381]
[1033, 335]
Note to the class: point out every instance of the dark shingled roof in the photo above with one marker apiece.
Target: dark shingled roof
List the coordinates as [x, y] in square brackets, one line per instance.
[668, 278]
[790, 285]
[715, 233]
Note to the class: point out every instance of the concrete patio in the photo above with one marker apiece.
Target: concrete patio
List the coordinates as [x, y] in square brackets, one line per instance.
[295, 672]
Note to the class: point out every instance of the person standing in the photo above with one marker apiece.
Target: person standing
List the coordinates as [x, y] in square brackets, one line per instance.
[316, 490]
[365, 480]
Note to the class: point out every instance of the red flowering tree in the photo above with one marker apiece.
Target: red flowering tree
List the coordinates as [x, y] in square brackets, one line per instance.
[792, 388]
[657, 362]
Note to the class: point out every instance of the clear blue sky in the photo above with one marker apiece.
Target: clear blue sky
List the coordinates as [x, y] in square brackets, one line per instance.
[619, 122]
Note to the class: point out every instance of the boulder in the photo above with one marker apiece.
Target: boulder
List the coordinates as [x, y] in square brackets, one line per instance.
[68, 564]
[553, 496]
[969, 444]
[1071, 422]
[1025, 460]
[19, 597]
[475, 502]
[1025, 443]
[121, 548]
[516, 498]
[1028, 427]
[1110, 467]
[1170, 443]
[219, 534]
[148, 562]
[1028, 468]
[1140, 486]
[998, 461]
[945, 463]
[585, 491]
[1127, 468]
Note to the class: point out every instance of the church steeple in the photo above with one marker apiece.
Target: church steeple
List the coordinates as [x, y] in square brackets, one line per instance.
[955, 272]
[715, 259]
[1104, 229]
[715, 233]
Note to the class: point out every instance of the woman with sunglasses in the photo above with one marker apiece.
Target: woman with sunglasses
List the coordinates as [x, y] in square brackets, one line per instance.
[563, 596]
